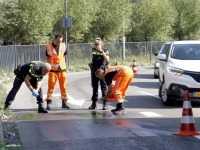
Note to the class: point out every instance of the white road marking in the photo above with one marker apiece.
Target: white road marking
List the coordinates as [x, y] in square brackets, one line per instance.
[71, 100]
[197, 136]
[149, 94]
[150, 114]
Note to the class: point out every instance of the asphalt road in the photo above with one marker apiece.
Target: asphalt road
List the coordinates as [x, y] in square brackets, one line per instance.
[148, 124]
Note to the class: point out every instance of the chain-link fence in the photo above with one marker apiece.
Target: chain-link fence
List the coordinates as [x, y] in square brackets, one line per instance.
[78, 54]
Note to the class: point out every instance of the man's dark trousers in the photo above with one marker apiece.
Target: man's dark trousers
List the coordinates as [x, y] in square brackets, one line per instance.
[16, 86]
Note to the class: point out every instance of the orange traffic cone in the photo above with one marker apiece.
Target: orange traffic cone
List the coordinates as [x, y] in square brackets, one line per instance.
[134, 67]
[187, 122]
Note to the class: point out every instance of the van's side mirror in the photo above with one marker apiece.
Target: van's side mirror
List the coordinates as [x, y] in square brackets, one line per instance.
[161, 57]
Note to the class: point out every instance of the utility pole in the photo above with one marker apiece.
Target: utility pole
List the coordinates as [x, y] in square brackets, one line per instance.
[67, 58]
[123, 37]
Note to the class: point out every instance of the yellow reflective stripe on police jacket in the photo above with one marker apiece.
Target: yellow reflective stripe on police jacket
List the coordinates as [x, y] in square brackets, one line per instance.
[30, 71]
[98, 53]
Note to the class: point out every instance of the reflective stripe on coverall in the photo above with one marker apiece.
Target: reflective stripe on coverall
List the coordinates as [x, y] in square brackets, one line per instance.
[56, 61]
[123, 78]
[53, 76]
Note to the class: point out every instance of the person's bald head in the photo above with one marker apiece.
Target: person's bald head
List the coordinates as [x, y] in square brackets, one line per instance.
[46, 68]
[100, 73]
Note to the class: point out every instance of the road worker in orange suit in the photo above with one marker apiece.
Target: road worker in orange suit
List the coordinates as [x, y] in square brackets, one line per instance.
[55, 54]
[122, 75]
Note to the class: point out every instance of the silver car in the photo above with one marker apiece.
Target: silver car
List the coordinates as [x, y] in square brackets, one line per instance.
[163, 50]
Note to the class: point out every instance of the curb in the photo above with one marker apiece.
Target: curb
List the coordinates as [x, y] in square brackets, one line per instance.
[1, 132]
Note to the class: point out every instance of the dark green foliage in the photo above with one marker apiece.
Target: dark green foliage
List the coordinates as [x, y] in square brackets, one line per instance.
[36, 21]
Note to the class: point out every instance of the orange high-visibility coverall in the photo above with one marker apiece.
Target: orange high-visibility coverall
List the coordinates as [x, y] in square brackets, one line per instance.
[58, 64]
[122, 79]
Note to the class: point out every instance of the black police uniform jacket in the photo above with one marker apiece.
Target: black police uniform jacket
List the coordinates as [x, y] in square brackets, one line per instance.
[98, 62]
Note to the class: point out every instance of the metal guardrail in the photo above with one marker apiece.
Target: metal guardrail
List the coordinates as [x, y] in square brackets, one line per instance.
[13, 55]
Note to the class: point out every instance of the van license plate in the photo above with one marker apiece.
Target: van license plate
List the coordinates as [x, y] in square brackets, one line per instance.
[197, 94]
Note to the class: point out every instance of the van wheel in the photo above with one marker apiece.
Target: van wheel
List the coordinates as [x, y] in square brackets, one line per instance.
[155, 76]
[166, 100]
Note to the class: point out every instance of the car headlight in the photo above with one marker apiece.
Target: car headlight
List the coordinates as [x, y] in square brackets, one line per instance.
[157, 64]
[175, 71]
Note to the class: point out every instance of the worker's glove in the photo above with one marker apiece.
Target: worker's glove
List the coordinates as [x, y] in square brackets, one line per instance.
[34, 93]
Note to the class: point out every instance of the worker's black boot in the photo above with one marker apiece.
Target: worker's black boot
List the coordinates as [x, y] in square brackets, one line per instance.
[119, 110]
[93, 106]
[64, 104]
[41, 109]
[105, 104]
[49, 104]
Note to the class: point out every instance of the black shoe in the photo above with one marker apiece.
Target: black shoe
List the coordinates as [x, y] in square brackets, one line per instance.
[49, 104]
[93, 106]
[119, 110]
[119, 105]
[105, 104]
[64, 104]
[6, 107]
[41, 109]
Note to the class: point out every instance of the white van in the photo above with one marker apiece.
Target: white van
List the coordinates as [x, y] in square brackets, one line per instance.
[179, 70]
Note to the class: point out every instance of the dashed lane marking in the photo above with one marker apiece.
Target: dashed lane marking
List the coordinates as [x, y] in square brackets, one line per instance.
[198, 136]
[149, 94]
[150, 114]
[71, 100]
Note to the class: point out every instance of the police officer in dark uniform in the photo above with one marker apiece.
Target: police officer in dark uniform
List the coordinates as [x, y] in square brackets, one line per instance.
[32, 74]
[100, 59]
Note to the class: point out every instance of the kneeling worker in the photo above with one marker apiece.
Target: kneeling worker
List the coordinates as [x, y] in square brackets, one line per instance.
[32, 74]
[123, 76]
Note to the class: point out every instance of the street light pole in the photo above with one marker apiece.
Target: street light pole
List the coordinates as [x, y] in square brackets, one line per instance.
[66, 17]
[67, 58]
[123, 38]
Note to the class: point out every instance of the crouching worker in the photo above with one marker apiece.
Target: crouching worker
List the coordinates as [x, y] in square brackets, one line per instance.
[123, 76]
[32, 74]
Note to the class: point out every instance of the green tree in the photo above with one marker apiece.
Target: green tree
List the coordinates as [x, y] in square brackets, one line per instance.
[37, 21]
[4, 5]
[187, 21]
[150, 20]
[82, 12]
[3, 12]
[31, 24]
[109, 19]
